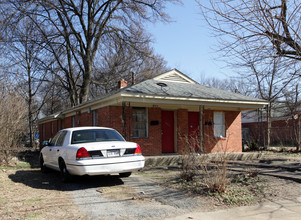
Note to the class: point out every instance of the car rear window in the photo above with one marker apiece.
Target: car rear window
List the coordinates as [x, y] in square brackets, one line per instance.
[95, 135]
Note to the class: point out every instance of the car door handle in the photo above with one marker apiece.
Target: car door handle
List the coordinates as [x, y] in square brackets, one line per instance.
[50, 149]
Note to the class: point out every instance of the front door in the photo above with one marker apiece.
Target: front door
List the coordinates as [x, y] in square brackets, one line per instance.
[168, 138]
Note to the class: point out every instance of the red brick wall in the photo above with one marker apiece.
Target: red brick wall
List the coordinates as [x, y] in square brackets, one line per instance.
[104, 119]
[209, 140]
[49, 130]
[68, 122]
[233, 140]
[151, 145]
[85, 119]
[116, 118]
[282, 131]
[112, 116]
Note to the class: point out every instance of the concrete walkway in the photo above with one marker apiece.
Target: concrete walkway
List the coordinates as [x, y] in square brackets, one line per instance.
[282, 210]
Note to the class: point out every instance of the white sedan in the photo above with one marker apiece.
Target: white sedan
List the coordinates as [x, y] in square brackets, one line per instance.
[90, 151]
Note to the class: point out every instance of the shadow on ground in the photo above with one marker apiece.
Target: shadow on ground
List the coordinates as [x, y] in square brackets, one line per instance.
[31, 157]
[51, 181]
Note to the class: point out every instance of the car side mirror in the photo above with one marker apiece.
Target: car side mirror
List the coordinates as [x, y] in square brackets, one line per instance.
[45, 143]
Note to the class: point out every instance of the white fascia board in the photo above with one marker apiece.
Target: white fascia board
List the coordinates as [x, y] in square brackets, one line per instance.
[192, 101]
[50, 118]
[120, 97]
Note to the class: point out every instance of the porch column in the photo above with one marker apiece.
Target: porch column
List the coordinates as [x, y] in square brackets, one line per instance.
[201, 130]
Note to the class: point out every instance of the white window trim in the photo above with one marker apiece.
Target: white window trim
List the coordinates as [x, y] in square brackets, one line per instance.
[221, 131]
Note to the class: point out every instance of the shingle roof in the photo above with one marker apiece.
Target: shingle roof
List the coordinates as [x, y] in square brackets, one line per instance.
[165, 88]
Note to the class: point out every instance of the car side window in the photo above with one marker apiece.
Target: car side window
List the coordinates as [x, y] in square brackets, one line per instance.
[60, 140]
[53, 140]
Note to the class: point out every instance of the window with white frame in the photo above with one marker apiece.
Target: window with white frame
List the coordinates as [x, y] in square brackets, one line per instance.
[95, 117]
[219, 124]
[139, 122]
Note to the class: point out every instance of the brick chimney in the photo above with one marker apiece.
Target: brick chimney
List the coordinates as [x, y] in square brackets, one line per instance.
[122, 84]
[133, 78]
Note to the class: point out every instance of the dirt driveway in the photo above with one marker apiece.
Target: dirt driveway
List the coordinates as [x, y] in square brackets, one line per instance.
[136, 197]
[29, 194]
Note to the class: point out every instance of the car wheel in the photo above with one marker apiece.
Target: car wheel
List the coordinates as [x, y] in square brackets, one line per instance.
[44, 169]
[125, 174]
[65, 176]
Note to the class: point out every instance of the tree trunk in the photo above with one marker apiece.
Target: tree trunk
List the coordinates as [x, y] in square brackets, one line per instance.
[299, 134]
[29, 104]
[269, 124]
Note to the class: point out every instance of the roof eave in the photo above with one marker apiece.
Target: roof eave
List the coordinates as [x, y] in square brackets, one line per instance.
[245, 104]
[122, 96]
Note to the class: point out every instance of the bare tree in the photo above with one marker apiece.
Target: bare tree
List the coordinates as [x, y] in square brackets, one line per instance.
[263, 24]
[268, 78]
[121, 61]
[261, 38]
[235, 84]
[13, 126]
[76, 32]
[293, 102]
[27, 63]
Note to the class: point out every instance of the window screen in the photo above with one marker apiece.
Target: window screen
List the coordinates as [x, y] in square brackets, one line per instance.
[219, 124]
[139, 122]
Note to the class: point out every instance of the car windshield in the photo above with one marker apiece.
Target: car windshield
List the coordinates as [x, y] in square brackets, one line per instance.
[95, 135]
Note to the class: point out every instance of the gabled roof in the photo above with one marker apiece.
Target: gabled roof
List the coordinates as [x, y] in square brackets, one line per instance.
[172, 88]
[189, 90]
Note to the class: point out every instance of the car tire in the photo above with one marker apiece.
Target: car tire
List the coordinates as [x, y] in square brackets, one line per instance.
[44, 169]
[65, 176]
[125, 174]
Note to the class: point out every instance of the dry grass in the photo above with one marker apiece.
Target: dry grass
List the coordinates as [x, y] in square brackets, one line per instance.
[27, 194]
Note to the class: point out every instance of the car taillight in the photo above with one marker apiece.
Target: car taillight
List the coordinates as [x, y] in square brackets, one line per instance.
[138, 150]
[82, 153]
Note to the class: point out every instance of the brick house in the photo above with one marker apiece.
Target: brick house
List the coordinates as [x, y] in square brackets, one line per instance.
[161, 113]
[285, 127]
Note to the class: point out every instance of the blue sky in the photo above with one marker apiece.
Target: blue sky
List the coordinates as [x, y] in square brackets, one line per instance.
[186, 43]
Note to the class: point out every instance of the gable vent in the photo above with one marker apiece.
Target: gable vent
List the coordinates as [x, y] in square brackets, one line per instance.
[174, 76]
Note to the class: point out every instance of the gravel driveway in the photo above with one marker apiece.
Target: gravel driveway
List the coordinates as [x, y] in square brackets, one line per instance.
[136, 197]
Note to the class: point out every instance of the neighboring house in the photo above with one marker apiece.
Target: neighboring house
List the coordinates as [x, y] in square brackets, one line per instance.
[285, 126]
[161, 113]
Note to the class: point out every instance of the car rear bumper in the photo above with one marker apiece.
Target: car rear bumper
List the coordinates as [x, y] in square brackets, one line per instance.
[106, 165]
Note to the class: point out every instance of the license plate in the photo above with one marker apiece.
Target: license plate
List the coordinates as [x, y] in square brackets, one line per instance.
[113, 153]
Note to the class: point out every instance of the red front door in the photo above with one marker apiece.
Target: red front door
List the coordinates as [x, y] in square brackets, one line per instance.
[168, 132]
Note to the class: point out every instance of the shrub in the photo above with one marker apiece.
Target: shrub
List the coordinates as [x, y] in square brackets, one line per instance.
[12, 123]
[212, 173]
